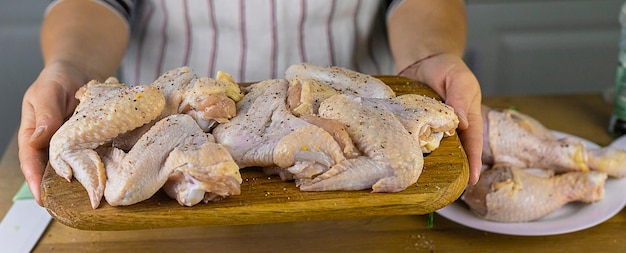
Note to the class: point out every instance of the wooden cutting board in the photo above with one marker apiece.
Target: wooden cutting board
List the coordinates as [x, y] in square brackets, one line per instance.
[268, 199]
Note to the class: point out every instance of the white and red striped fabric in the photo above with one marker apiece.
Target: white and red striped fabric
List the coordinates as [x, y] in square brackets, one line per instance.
[252, 39]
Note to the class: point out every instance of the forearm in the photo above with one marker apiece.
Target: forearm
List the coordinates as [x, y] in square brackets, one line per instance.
[86, 36]
[419, 28]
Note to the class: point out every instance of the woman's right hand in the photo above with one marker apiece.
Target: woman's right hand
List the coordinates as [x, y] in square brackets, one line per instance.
[45, 105]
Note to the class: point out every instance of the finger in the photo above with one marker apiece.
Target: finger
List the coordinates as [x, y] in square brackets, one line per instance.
[31, 164]
[47, 123]
[41, 117]
[472, 143]
[463, 94]
[470, 130]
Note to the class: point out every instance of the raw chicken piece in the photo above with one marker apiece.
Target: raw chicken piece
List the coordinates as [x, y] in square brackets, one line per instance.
[202, 173]
[304, 97]
[264, 133]
[511, 194]
[427, 119]
[608, 159]
[393, 159]
[175, 150]
[517, 139]
[187, 93]
[338, 131]
[208, 101]
[105, 110]
[341, 79]
[211, 100]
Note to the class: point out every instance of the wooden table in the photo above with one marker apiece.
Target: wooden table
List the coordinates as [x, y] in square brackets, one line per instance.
[584, 115]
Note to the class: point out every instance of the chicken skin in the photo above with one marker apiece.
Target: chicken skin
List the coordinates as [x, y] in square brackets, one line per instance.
[105, 111]
[343, 80]
[304, 97]
[326, 128]
[392, 160]
[265, 134]
[376, 139]
[208, 101]
[117, 115]
[427, 119]
[392, 157]
[177, 151]
[519, 140]
[512, 194]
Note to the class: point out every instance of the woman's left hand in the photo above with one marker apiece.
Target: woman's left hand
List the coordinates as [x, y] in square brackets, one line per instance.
[450, 77]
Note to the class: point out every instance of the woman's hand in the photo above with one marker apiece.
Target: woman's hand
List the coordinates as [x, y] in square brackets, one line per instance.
[450, 77]
[46, 103]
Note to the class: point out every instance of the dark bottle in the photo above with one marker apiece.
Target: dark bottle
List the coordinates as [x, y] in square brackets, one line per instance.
[617, 125]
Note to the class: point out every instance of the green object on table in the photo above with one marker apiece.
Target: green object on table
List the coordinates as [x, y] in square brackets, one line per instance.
[23, 193]
[431, 220]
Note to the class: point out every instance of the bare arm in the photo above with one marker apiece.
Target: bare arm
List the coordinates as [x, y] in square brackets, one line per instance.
[80, 41]
[427, 39]
[85, 35]
[420, 28]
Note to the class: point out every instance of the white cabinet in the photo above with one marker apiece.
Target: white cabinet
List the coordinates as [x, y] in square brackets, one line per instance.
[540, 47]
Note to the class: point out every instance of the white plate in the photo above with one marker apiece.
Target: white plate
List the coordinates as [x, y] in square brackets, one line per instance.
[569, 218]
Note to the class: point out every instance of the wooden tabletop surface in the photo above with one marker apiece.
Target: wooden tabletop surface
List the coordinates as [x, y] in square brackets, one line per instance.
[584, 115]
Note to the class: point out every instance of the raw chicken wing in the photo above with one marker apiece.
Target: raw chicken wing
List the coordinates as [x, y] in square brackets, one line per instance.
[341, 79]
[392, 161]
[265, 134]
[427, 119]
[105, 111]
[175, 150]
[208, 101]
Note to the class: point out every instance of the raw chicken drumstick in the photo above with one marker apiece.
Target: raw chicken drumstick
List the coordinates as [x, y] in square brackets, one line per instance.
[512, 194]
[519, 140]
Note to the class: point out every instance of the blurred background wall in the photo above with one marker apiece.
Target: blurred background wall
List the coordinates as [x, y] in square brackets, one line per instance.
[515, 47]
[20, 59]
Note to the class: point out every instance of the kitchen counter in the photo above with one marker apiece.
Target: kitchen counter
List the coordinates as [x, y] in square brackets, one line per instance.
[584, 115]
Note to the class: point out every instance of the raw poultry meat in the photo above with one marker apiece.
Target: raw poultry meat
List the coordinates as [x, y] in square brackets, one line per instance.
[304, 97]
[265, 133]
[105, 111]
[517, 147]
[511, 194]
[519, 140]
[389, 132]
[113, 114]
[427, 119]
[310, 84]
[177, 151]
[392, 161]
[208, 101]
[340, 141]
[327, 128]
[341, 79]
[607, 159]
